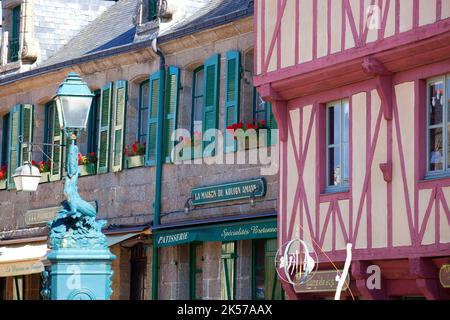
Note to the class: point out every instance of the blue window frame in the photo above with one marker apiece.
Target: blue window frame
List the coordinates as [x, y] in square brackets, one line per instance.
[337, 155]
[438, 124]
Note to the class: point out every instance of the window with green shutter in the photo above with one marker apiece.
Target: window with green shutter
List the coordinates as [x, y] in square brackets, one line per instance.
[144, 102]
[20, 136]
[265, 283]
[152, 122]
[93, 123]
[171, 117]
[119, 125]
[104, 129]
[228, 271]
[210, 94]
[55, 136]
[196, 271]
[232, 96]
[5, 139]
[262, 111]
[14, 41]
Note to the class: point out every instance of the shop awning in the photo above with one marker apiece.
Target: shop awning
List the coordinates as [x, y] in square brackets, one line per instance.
[22, 259]
[115, 239]
[231, 231]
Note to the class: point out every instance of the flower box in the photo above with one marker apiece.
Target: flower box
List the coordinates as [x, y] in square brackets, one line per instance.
[3, 184]
[135, 161]
[45, 177]
[87, 169]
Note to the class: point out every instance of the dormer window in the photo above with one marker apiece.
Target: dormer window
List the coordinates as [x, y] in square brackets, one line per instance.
[15, 33]
[152, 9]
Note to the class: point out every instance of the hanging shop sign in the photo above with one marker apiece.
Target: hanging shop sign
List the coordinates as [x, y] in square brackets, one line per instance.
[259, 229]
[322, 281]
[229, 191]
[444, 275]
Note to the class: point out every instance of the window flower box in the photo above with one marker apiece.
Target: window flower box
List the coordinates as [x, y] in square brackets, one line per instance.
[3, 173]
[45, 177]
[135, 156]
[87, 169]
[87, 164]
[135, 161]
[3, 184]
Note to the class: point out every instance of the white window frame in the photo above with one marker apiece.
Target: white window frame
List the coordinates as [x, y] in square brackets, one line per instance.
[342, 187]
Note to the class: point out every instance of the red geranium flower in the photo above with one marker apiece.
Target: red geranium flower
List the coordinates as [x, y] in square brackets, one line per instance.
[249, 126]
[134, 147]
[92, 154]
[262, 123]
[239, 125]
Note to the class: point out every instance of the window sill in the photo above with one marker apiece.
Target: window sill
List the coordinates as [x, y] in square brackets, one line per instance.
[433, 180]
[331, 194]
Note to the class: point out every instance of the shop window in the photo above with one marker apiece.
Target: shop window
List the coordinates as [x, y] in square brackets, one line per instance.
[438, 123]
[138, 265]
[19, 288]
[14, 41]
[2, 288]
[228, 271]
[266, 285]
[337, 140]
[196, 271]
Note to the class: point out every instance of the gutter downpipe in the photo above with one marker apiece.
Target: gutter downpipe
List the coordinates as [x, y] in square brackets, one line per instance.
[159, 163]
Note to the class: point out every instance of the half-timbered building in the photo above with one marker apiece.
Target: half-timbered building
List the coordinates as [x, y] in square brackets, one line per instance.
[361, 93]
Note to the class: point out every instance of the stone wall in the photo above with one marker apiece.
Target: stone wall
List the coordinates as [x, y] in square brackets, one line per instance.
[126, 197]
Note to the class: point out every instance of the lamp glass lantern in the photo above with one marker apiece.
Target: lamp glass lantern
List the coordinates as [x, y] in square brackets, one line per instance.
[26, 178]
[73, 103]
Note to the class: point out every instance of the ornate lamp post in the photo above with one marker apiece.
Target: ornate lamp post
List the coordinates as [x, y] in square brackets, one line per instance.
[80, 258]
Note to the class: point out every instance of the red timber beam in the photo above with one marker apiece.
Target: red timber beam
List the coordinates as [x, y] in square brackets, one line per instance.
[279, 108]
[427, 278]
[359, 272]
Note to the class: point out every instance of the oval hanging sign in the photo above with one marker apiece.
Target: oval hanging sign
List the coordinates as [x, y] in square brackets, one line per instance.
[444, 275]
[229, 191]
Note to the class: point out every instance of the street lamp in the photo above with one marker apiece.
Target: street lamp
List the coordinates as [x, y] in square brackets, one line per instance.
[73, 103]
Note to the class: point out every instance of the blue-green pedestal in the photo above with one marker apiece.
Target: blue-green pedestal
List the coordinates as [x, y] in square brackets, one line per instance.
[80, 274]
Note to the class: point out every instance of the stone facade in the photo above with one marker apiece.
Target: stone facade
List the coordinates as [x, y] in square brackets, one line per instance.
[126, 197]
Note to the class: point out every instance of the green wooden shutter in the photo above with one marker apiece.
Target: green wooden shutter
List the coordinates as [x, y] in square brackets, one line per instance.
[272, 285]
[227, 283]
[119, 125]
[232, 96]
[271, 124]
[26, 131]
[152, 122]
[57, 139]
[104, 129]
[210, 94]
[14, 144]
[173, 85]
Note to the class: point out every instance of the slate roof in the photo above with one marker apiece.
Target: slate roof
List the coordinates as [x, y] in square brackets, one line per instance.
[113, 32]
